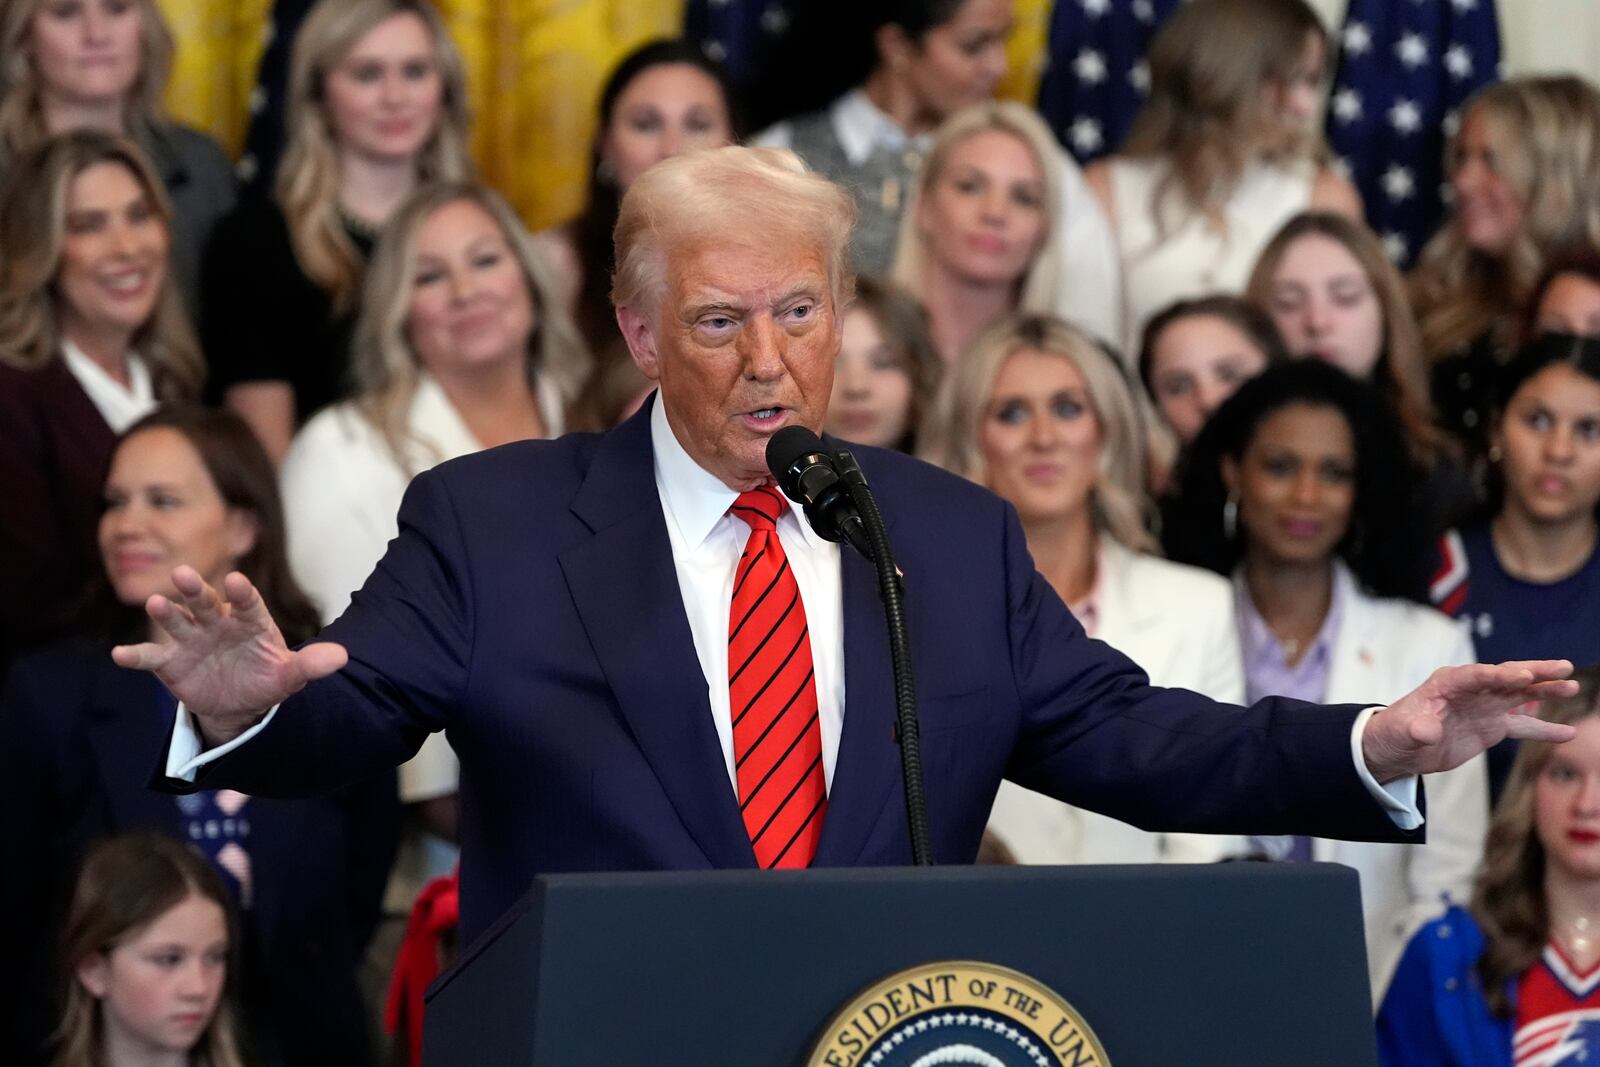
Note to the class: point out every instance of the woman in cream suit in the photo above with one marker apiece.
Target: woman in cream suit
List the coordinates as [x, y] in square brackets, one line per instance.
[1298, 487]
[1044, 417]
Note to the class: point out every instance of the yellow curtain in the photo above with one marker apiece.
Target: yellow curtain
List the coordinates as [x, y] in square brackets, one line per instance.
[219, 43]
[534, 69]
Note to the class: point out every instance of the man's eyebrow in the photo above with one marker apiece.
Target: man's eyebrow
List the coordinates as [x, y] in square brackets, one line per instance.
[711, 304]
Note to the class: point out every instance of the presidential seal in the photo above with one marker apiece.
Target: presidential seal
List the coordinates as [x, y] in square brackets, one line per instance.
[954, 1013]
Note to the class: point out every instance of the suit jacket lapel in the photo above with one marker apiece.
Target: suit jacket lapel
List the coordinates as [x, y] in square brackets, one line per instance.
[868, 765]
[625, 587]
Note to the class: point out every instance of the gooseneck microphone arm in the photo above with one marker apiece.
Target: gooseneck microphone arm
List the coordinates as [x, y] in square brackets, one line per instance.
[839, 506]
[908, 729]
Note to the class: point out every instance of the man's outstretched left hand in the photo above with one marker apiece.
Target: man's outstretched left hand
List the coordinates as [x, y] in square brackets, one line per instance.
[1461, 711]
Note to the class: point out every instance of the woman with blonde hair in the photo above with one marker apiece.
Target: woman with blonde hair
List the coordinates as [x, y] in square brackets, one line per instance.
[92, 336]
[1045, 417]
[1223, 152]
[980, 236]
[148, 956]
[1513, 972]
[103, 65]
[376, 107]
[1524, 168]
[463, 344]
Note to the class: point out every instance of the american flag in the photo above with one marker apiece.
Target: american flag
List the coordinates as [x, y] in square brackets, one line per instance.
[1097, 77]
[1405, 67]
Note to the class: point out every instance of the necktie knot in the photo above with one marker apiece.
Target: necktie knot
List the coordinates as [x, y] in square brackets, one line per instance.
[761, 507]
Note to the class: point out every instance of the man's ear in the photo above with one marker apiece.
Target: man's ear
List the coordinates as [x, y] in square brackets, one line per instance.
[636, 331]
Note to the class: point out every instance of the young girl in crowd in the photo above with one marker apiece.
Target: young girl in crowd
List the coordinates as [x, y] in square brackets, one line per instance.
[980, 238]
[1044, 417]
[887, 371]
[1510, 977]
[92, 335]
[1293, 489]
[148, 958]
[376, 106]
[1525, 173]
[934, 58]
[1335, 296]
[665, 97]
[1195, 353]
[1526, 581]
[103, 65]
[1225, 150]
[79, 737]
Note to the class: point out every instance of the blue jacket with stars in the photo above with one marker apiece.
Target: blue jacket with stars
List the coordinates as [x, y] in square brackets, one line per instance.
[1435, 1013]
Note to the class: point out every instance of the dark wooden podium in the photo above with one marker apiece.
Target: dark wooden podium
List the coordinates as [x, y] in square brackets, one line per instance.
[1245, 965]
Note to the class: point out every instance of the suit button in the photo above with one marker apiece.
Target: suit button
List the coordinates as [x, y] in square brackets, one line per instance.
[1444, 931]
[1451, 984]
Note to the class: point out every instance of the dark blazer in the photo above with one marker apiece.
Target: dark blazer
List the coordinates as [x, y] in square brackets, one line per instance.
[54, 451]
[77, 734]
[530, 607]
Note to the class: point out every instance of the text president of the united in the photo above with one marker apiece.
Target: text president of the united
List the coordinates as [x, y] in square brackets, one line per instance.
[572, 613]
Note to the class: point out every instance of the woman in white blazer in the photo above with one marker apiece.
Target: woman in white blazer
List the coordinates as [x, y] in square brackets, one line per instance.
[1042, 415]
[460, 346]
[1300, 487]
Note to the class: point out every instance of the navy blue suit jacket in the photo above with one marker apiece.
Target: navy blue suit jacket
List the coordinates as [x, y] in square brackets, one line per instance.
[77, 735]
[530, 608]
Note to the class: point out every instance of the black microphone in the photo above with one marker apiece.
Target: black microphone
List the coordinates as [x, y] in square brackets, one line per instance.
[805, 472]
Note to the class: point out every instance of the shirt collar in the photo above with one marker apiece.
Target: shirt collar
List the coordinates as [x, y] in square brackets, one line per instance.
[694, 499]
[861, 128]
[1258, 642]
[120, 405]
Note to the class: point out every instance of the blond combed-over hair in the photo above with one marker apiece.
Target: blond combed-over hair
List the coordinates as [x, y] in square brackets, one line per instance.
[21, 114]
[735, 194]
[952, 436]
[33, 218]
[387, 368]
[308, 177]
[1545, 134]
[1040, 283]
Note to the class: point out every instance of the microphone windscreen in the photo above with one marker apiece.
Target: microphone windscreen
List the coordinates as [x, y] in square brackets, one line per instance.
[788, 445]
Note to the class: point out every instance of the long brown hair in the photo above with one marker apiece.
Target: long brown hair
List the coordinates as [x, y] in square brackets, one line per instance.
[308, 178]
[21, 118]
[1508, 900]
[246, 481]
[1545, 133]
[33, 218]
[125, 884]
[1209, 65]
[1402, 370]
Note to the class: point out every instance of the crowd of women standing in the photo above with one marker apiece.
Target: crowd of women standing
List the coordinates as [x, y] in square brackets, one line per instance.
[1244, 448]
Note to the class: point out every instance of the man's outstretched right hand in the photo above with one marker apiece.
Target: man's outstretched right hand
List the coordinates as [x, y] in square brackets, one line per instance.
[223, 656]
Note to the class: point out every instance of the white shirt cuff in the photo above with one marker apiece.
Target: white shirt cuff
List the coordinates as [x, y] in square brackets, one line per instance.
[184, 755]
[1399, 797]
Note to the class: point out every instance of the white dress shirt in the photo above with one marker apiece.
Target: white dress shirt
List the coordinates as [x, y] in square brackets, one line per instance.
[120, 405]
[706, 545]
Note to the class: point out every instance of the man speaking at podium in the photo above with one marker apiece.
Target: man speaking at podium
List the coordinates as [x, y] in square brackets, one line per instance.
[646, 661]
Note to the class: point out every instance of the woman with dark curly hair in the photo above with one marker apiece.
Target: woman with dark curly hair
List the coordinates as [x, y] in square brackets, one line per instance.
[1297, 488]
[1516, 969]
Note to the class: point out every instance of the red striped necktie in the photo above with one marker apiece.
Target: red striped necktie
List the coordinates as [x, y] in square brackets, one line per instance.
[772, 689]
